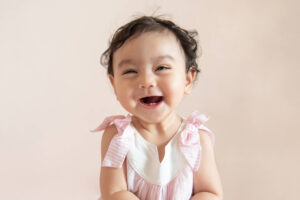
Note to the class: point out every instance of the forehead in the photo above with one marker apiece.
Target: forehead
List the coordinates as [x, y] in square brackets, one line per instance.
[149, 46]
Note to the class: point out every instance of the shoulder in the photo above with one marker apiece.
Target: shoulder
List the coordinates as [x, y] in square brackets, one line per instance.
[107, 136]
[110, 131]
[205, 139]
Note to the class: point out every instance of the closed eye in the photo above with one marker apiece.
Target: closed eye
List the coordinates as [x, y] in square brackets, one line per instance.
[162, 67]
[129, 71]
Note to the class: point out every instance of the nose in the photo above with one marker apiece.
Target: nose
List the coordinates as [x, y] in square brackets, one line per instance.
[147, 80]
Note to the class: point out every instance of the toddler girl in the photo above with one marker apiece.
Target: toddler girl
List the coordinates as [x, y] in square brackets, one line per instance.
[153, 153]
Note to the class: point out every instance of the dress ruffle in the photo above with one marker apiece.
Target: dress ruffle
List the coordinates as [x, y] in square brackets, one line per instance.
[179, 188]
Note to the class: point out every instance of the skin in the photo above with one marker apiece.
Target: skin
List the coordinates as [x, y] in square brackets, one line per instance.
[153, 63]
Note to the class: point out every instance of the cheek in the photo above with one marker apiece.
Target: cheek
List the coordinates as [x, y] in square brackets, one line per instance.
[124, 91]
[175, 86]
[177, 82]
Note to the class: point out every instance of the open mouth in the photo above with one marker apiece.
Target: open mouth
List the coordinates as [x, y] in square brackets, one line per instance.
[151, 100]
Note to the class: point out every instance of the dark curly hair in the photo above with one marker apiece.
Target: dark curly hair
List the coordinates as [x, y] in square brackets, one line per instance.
[147, 24]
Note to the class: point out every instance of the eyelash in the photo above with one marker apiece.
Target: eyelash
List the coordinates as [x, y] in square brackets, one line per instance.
[160, 68]
[129, 71]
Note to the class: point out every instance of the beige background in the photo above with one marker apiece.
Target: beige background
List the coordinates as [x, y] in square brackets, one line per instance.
[53, 91]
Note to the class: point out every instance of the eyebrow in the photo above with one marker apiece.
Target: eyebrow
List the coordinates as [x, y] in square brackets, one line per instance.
[167, 56]
[126, 62]
[131, 62]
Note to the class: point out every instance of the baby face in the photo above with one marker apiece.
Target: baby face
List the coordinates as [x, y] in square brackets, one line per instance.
[150, 78]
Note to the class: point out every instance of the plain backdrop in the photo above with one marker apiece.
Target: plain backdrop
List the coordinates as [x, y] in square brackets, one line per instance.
[53, 90]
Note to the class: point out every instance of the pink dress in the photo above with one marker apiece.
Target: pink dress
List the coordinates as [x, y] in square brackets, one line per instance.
[147, 177]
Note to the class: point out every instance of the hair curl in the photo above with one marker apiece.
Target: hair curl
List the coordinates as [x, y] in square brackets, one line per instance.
[147, 24]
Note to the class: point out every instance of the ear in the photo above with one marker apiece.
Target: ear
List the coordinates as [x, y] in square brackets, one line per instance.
[111, 79]
[190, 76]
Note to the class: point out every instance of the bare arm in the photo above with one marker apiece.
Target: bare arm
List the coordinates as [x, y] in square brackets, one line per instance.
[113, 183]
[207, 183]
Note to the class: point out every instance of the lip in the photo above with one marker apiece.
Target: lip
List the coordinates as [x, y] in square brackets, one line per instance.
[149, 106]
[149, 95]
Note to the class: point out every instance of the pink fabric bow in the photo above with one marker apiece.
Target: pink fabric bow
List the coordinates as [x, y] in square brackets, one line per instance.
[190, 140]
[106, 122]
[120, 143]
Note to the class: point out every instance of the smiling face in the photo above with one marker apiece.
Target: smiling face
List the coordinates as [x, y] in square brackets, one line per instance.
[150, 78]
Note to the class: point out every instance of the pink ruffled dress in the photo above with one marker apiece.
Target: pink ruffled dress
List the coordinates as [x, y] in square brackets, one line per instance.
[147, 177]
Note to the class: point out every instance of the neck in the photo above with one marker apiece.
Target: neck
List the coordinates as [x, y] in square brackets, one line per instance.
[167, 125]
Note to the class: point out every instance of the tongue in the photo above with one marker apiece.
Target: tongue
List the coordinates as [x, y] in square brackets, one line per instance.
[152, 99]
